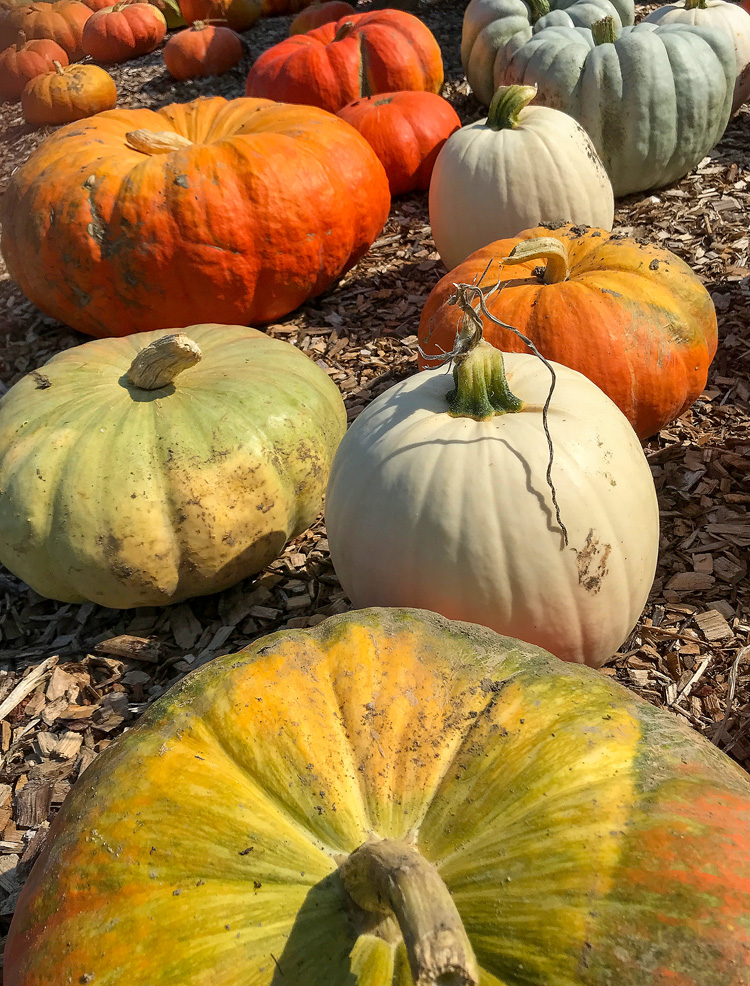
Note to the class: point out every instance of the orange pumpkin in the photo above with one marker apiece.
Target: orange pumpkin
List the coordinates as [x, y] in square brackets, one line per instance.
[231, 211]
[202, 50]
[406, 130]
[630, 316]
[61, 22]
[238, 14]
[318, 14]
[126, 30]
[272, 8]
[69, 93]
[24, 60]
[360, 55]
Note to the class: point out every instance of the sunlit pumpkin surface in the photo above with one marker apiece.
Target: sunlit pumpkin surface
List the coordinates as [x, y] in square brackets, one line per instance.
[586, 837]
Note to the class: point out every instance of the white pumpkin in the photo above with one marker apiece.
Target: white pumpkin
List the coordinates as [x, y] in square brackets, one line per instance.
[727, 17]
[520, 166]
[455, 515]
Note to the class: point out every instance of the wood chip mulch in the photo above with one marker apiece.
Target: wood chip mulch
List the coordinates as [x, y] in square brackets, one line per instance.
[72, 677]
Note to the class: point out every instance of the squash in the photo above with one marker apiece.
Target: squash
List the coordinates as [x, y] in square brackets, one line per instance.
[202, 50]
[443, 495]
[136, 473]
[630, 316]
[240, 15]
[67, 94]
[360, 55]
[171, 11]
[406, 130]
[489, 24]
[317, 14]
[650, 114]
[61, 22]
[520, 166]
[727, 17]
[272, 8]
[24, 60]
[231, 211]
[335, 802]
[124, 31]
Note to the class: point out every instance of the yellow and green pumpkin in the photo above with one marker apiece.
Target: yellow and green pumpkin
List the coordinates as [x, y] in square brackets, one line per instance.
[294, 813]
[147, 469]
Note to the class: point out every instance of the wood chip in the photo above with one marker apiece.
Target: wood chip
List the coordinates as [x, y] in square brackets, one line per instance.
[26, 686]
[713, 625]
[130, 648]
[31, 805]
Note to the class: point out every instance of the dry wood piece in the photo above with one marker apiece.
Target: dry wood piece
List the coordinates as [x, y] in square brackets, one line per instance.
[32, 803]
[713, 625]
[132, 648]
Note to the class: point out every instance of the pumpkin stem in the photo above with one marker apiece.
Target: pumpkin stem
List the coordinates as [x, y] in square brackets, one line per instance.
[543, 248]
[344, 31]
[20, 40]
[693, 4]
[537, 9]
[506, 106]
[158, 364]
[58, 68]
[156, 141]
[389, 876]
[604, 31]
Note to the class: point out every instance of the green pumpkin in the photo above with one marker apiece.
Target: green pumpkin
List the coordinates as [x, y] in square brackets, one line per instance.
[653, 100]
[393, 798]
[489, 24]
[133, 472]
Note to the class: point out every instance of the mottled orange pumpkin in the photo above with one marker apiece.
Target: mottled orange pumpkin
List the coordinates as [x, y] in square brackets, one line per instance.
[406, 130]
[25, 60]
[202, 50]
[69, 93]
[232, 211]
[126, 30]
[318, 14]
[238, 14]
[61, 22]
[359, 55]
[630, 316]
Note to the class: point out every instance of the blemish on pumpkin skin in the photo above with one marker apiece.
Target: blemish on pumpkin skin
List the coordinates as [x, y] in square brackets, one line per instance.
[591, 562]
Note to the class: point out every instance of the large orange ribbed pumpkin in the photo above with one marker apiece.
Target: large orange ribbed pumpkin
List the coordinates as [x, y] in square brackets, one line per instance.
[224, 211]
[630, 316]
[359, 55]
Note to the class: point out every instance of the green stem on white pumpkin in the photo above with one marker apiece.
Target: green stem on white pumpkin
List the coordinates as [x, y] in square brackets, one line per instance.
[158, 364]
[695, 4]
[389, 876]
[542, 248]
[506, 105]
[604, 31]
[538, 8]
[156, 141]
[344, 31]
[481, 386]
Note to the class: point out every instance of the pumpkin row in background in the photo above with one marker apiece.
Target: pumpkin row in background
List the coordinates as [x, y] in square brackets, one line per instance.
[62, 21]
[520, 166]
[340, 62]
[227, 211]
[24, 60]
[240, 15]
[317, 14]
[319, 799]
[632, 317]
[67, 94]
[202, 50]
[143, 474]
[406, 130]
[123, 31]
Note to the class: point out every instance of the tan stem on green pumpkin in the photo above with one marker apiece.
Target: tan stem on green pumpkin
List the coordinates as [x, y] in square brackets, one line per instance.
[506, 104]
[388, 876]
[159, 363]
[543, 248]
[604, 31]
[156, 141]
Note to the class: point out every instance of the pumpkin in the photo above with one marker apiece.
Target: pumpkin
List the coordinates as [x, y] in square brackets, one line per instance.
[335, 803]
[171, 11]
[489, 24]
[630, 316]
[24, 60]
[318, 14]
[126, 30]
[61, 22]
[443, 495]
[650, 114]
[360, 55]
[66, 94]
[272, 8]
[245, 210]
[211, 449]
[406, 130]
[520, 166]
[727, 17]
[238, 14]
[201, 51]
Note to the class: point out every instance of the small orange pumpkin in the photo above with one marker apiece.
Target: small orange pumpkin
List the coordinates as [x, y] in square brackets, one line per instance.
[126, 30]
[69, 93]
[238, 14]
[201, 51]
[24, 60]
[318, 14]
[61, 21]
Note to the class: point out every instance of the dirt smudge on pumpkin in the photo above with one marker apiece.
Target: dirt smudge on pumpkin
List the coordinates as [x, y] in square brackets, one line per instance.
[591, 561]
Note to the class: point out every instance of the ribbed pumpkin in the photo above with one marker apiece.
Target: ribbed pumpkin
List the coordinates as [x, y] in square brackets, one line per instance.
[25, 60]
[136, 473]
[388, 799]
[240, 15]
[123, 31]
[202, 50]
[61, 22]
[360, 55]
[318, 14]
[231, 211]
[406, 130]
[630, 316]
[67, 94]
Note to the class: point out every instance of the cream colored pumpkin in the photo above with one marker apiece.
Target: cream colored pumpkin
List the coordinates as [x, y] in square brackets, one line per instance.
[521, 166]
[455, 515]
[727, 17]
